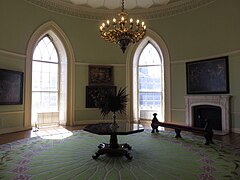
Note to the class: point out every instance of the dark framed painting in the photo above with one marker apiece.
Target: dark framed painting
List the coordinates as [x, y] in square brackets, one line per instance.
[209, 76]
[11, 87]
[94, 94]
[100, 75]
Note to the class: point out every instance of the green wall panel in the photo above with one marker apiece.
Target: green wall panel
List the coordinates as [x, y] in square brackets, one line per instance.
[234, 64]
[120, 76]
[178, 84]
[235, 121]
[81, 81]
[11, 120]
[178, 116]
[88, 114]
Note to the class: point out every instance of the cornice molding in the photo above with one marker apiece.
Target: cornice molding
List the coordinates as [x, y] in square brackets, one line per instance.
[228, 53]
[12, 54]
[171, 9]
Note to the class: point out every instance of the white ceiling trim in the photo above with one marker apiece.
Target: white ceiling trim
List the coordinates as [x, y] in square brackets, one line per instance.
[116, 4]
[171, 9]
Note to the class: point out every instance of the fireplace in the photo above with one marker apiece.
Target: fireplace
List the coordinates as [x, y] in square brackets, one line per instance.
[198, 108]
[201, 113]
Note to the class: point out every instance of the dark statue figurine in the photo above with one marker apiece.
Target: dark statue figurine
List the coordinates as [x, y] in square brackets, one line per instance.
[208, 132]
[154, 120]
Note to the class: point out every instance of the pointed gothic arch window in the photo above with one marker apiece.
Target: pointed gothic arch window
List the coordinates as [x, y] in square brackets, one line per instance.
[46, 79]
[150, 85]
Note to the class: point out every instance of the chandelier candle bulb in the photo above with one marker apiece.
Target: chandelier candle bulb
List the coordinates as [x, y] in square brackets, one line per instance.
[131, 23]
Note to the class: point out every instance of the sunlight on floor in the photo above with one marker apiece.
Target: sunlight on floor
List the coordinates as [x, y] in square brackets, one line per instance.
[52, 132]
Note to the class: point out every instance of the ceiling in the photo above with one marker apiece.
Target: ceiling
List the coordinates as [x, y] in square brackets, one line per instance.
[116, 4]
[102, 9]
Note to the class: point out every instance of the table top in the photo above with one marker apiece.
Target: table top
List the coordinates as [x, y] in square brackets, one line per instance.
[124, 128]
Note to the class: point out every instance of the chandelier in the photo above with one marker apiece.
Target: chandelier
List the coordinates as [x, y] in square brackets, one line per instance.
[123, 31]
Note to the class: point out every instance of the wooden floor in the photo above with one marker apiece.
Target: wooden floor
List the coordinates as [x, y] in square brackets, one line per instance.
[231, 138]
[42, 131]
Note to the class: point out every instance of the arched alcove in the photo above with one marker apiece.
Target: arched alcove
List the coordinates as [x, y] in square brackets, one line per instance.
[131, 81]
[66, 56]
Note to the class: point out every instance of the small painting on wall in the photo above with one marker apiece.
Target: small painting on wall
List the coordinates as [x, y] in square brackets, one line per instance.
[11, 87]
[100, 75]
[208, 76]
[95, 94]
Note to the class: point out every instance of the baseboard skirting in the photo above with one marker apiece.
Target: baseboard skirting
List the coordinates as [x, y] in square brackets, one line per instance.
[15, 129]
[235, 130]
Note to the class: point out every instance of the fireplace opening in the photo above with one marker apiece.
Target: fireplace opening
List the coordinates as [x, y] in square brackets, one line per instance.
[209, 112]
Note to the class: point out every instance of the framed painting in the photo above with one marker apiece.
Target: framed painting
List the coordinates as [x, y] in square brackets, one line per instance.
[100, 75]
[209, 76]
[94, 94]
[11, 87]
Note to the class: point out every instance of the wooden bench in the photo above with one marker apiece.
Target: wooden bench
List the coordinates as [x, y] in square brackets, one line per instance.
[206, 132]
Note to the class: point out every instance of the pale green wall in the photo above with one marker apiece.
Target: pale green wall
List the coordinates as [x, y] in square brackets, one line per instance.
[210, 31]
[81, 81]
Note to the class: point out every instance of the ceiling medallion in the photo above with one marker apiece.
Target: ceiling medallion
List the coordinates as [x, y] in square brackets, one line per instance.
[123, 31]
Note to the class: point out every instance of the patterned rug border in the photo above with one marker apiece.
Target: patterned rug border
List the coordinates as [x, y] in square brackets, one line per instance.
[189, 140]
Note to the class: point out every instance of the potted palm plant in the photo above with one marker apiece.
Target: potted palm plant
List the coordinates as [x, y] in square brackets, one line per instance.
[115, 103]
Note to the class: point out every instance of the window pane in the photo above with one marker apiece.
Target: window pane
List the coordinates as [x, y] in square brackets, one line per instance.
[54, 56]
[45, 101]
[53, 81]
[37, 54]
[36, 84]
[45, 77]
[45, 67]
[149, 56]
[149, 101]
[150, 82]
[150, 78]
[45, 51]
[36, 66]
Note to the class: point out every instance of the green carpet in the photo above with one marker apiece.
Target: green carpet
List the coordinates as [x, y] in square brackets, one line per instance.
[155, 156]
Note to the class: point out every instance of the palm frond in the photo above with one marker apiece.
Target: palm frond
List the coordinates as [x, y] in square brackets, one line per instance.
[115, 103]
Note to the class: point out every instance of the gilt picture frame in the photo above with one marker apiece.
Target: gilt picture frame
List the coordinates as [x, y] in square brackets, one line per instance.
[210, 76]
[100, 75]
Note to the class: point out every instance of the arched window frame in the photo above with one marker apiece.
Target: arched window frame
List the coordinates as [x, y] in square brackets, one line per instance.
[131, 81]
[146, 114]
[47, 82]
[65, 52]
